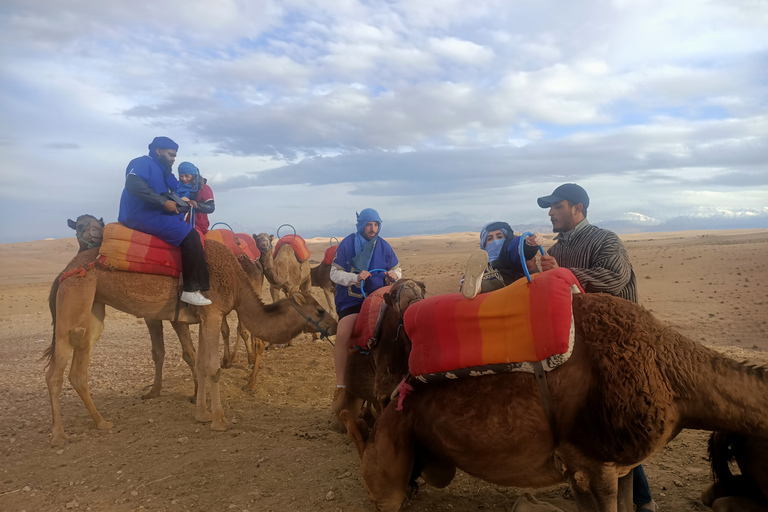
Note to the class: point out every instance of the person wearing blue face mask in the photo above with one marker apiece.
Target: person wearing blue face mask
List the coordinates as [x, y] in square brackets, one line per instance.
[498, 263]
[356, 256]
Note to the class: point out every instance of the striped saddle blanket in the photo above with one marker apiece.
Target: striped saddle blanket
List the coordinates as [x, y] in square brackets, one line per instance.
[330, 253]
[366, 321]
[501, 331]
[238, 243]
[297, 243]
[133, 251]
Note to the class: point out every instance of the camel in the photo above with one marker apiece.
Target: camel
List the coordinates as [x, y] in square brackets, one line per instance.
[630, 386]
[320, 277]
[747, 492]
[89, 231]
[79, 321]
[282, 270]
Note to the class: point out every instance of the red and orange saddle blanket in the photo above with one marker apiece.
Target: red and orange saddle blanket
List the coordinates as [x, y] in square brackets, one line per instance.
[330, 253]
[241, 244]
[297, 243]
[501, 331]
[366, 321]
[133, 251]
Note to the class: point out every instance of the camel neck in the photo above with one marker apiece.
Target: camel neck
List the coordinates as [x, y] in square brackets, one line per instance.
[273, 323]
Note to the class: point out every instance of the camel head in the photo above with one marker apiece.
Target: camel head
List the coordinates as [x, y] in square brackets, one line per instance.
[390, 352]
[317, 318]
[89, 231]
[264, 243]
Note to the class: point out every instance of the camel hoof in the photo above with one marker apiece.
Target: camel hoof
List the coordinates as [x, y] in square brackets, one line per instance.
[192, 399]
[152, 394]
[104, 425]
[251, 386]
[204, 417]
[59, 439]
[219, 425]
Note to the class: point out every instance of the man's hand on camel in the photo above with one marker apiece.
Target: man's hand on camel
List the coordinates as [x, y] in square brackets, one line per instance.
[363, 275]
[170, 206]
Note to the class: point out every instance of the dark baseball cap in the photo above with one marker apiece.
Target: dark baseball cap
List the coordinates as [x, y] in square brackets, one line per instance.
[568, 191]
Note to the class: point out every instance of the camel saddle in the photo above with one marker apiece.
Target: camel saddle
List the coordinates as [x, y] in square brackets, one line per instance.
[133, 251]
[511, 329]
[365, 325]
[297, 243]
[237, 243]
[330, 253]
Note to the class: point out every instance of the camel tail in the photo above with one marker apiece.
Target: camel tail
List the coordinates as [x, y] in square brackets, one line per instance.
[48, 354]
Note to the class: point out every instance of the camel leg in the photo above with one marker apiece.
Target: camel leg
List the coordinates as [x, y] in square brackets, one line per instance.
[329, 298]
[625, 492]
[158, 356]
[74, 304]
[203, 350]
[187, 350]
[208, 368]
[596, 489]
[78, 374]
[227, 359]
[242, 335]
[249, 341]
[258, 351]
[274, 292]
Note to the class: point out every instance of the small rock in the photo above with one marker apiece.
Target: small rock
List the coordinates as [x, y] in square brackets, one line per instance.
[134, 493]
[345, 475]
[72, 504]
[150, 420]
[329, 496]
[232, 505]
[678, 483]
[60, 451]
[183, 440]
[26, 488]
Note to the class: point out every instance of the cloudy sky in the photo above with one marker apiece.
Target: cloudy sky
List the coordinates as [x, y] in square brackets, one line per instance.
[304, 111]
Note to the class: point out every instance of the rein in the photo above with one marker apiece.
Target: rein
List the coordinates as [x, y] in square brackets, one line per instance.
[79, 233]
[323, 332]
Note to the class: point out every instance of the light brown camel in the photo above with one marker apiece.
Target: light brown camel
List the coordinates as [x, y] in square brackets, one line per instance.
[80, 304]
[283, 270]
[746, 492]
[630, 386]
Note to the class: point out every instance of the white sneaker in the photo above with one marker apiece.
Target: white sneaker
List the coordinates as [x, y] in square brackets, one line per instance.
[194, 298]
[473, 275]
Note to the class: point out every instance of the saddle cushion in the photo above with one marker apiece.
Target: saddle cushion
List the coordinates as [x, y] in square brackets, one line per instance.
[248, 245]
[330, 253]
[298, 245]
[522, 323]
[133, 251]
[236, 243]
[366, 321]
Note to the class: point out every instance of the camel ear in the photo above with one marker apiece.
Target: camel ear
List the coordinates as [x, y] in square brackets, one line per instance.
[357, 430]
[299, 298]
[388, 299]
[72, 224]
[101, 220]
[271, 237]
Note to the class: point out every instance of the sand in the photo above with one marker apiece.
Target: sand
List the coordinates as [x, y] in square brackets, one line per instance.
[281, 453]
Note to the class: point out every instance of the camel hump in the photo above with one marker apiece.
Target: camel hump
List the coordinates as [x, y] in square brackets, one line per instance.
[134, 251]
[366, 320]
[494, 332]
[298, 245]
[239, 244]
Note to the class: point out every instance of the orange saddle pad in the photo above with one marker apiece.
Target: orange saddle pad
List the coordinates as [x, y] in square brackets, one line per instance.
[330, 253]
[366, 321]
[248, 245]
[297, 243]
[504, 330]
[133, 251]
[237, 243]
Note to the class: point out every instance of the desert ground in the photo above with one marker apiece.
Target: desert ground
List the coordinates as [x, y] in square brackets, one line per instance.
[281, 453]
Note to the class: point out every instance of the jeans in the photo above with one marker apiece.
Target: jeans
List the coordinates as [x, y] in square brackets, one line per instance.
[194, 268]
[641, 493]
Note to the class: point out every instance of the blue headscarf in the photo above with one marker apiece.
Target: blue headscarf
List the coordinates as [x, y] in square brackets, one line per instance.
[494, 248]
[161, 143]
[363, 247]
[186, 190]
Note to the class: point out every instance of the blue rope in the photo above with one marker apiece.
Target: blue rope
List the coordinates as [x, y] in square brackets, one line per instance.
[522, 254]
[362, 281]
[223, 224]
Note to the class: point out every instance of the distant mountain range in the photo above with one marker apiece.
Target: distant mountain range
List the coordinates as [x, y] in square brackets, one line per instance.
[626, 222]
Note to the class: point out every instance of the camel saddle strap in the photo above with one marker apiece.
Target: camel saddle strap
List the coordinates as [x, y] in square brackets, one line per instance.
[179, 304]
[546, 399]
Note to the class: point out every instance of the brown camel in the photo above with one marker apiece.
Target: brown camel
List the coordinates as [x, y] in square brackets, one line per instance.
[282, 270]
[80, 304]
[320, 277]
[89, 231]
[630, 386]
[747, 492]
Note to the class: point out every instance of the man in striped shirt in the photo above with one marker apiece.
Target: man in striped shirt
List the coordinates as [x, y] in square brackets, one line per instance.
[599, 261]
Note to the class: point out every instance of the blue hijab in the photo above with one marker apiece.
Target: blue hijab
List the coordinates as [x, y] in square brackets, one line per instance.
[364, 247]
[186, 190]
[494, 248]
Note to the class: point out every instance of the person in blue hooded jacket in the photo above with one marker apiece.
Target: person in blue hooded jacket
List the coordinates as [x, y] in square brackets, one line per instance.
[498, 263]
[357, 255]
[143, 207]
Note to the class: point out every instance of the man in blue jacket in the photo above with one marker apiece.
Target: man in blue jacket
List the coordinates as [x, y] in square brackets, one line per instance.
[144, 207]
